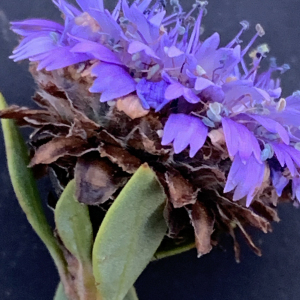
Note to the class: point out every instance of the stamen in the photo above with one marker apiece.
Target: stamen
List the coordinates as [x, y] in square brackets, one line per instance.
[259, 32]
[245, 26]
[243, 64]
[216, 108]
[284, 68]
[176, 6]
[169, 18]
[191, 11]
[267, 152]
[281, 104]
[184, 40]
[200, 71]
[195, 36]
[55, 37]
[181, 30]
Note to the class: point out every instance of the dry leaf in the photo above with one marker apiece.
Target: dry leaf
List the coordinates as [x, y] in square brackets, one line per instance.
[33, 117]
[203, 223]
[96, 179]
[59, 147]
[121, 157]
[180, 190]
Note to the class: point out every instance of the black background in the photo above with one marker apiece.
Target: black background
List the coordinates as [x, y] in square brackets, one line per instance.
[26, 269]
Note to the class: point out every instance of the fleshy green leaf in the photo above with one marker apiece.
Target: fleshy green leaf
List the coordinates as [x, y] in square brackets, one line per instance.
[75, 230]
[131, 295]
[131, 232]
[73, 224]
[25, 187]
[60, 293]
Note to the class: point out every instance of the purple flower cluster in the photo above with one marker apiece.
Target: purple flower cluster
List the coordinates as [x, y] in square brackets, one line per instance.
[141, 49]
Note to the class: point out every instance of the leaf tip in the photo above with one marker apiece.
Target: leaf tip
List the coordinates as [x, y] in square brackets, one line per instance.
[145, 166]
[3, 103]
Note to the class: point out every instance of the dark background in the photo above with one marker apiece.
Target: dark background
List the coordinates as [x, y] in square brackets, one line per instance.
[26, 269]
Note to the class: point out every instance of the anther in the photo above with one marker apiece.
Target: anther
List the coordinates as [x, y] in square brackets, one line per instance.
[245, 24]
[281, 104]
[260, 30]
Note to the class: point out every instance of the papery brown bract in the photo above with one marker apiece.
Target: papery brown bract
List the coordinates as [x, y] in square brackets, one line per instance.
[102, 147]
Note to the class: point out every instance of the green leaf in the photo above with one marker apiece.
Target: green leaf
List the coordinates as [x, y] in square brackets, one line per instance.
[73, 224]
[60, 293]
[25, 188]
[131, 232]
[131, 295]
[75, 230]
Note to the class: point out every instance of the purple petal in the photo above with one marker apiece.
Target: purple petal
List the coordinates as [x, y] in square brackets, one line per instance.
[293, 101]
[245, 178]
[32, 45]
[208, 46]
[173, 51]
[242, 89]
[272, 126]
[157, 19]
[98, 51]
[135, 16]
[287, 155]
[143, 5]
[152, 93]
[189, 96]
[202, 83]
[108, 25]
[52, 59]
[239, 139]
[136, 46]
[174, 91]
[67, 9]
[275, 93]
[112, 82]
[224, 61]
[185, 130]
[213, 93]
[87, 5]
[279, 182]
[296, 188]
[231, 134]
[28, 27]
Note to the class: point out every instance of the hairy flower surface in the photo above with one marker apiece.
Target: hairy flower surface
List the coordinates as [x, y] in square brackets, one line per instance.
[243, 138]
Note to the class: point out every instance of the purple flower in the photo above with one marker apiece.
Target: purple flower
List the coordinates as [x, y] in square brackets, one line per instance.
[142, 50]
[112, 82]
[87, 5]
[96, 51]
[279, 181]
[28, 27]
[242, 92]
[240, 140]
[44, 42]
[272, 126]
[184, 130]
[296, 188]
[176, 90]
[152, 94]
[245, 178]
[287, 156]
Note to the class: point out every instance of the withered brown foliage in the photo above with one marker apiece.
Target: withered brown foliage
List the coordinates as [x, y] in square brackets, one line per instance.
[102, 145]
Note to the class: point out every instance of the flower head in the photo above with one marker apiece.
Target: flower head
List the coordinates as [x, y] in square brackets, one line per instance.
[186, 90]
